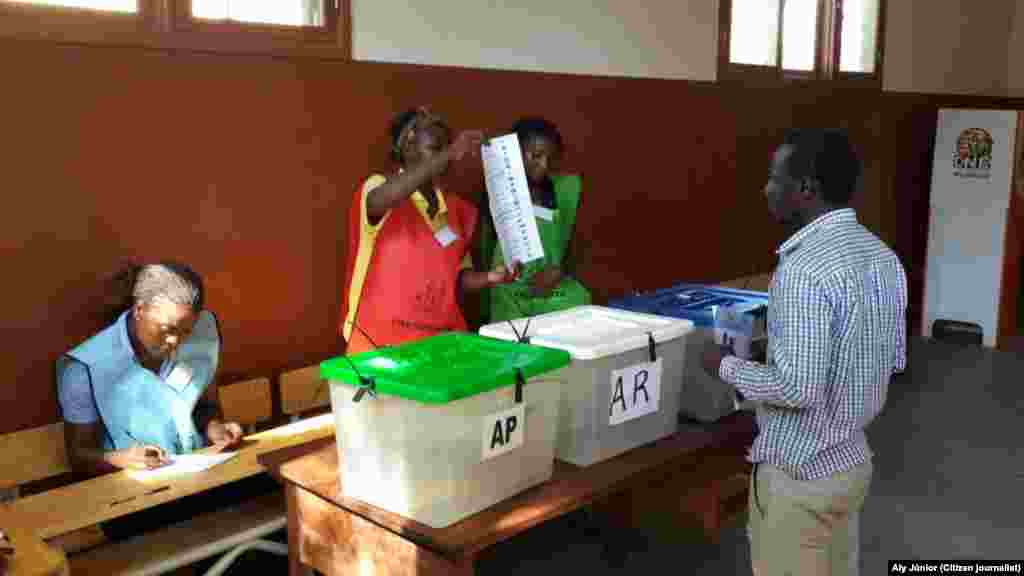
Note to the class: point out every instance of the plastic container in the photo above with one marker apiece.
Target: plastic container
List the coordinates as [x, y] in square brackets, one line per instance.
[704, 398]
[614, 397]
[442, 435]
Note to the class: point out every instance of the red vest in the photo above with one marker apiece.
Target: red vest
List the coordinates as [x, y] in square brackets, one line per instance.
[409, 290]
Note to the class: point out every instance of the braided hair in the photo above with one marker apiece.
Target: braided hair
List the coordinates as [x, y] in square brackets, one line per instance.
[405, 125]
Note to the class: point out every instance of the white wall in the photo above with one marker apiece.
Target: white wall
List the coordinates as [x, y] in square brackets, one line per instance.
[637, 38]
[931, 46]
[948, 46]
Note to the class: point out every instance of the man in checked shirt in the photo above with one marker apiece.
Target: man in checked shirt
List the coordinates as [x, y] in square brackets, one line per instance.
[836, 335]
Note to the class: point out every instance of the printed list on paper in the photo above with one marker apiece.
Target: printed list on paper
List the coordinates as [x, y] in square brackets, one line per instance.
[511, 206]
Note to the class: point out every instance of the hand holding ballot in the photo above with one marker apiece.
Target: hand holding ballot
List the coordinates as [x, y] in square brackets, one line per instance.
[504, 274]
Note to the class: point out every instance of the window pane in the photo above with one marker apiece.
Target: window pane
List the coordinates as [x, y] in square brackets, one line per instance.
[279, 12]
[799, 34]
[111, 5]
[755, 32]
[860, 33]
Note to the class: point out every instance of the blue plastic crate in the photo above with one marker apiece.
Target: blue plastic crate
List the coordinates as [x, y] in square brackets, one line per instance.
[694, 302]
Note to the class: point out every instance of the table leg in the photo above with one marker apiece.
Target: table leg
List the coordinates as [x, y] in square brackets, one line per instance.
[295, 567]
[613, 519]
[335, 542]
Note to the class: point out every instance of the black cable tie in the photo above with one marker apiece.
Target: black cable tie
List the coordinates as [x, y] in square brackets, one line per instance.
[650, 346]
[519, 337]
[366, 386]
[520, 382]
[525, 339]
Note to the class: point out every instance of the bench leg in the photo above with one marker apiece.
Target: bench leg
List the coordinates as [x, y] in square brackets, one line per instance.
[225, 561]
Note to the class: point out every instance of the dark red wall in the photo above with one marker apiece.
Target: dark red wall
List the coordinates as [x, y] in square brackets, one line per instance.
[244, 167]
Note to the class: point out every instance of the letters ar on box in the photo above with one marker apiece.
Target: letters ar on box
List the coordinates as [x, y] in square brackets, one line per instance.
[636, 392]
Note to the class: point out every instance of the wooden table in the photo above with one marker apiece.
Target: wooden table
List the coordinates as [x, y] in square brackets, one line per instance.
[87, 503]
[32, 556]
[339, 535]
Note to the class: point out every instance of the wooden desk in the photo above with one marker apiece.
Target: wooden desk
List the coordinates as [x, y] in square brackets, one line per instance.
[87, 503]
[32, 556]
[336, 535]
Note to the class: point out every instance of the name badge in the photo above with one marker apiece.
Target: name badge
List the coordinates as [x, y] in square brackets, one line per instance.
[544, 213]
[179, 377]
[445, 236]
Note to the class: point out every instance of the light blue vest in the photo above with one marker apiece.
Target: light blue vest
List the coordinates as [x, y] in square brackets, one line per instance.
[138, 406]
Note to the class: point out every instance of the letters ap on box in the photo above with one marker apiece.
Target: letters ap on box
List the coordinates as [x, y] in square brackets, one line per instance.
[503, 431]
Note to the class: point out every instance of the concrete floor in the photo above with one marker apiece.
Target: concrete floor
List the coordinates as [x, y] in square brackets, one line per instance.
[949, 469]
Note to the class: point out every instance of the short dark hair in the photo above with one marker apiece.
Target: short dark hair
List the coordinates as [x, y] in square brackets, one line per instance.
[534, 126]
[825, 155]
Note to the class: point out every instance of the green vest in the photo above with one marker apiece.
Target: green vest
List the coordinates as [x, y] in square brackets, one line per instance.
[510, 301]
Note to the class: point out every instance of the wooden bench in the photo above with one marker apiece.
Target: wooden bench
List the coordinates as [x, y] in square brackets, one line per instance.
[25, 457]
[41, 453]
[247, 402]
[232, 530]
[303, 391]
[30, 556]
[339, 535]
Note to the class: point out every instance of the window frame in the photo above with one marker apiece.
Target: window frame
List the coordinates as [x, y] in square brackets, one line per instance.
[84, 25]
[168, 24]
[230, 35]
[828, 48]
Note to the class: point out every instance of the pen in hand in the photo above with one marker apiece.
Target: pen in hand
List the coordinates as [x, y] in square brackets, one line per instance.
[150, 450]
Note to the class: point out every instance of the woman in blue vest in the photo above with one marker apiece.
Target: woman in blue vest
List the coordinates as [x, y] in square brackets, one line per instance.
[140, 391]
[130, 395]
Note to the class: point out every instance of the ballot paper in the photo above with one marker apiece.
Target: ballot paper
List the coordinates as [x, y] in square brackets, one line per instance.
[511, 206]
[185, 464]
[741, 327]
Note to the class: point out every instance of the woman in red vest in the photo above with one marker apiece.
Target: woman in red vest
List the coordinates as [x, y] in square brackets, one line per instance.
[409, 242]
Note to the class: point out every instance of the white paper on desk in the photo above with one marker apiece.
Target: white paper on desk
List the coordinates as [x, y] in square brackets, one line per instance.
[186, 464]
[511, 206]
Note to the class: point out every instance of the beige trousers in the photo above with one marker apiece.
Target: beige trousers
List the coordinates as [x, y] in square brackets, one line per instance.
[806, 528]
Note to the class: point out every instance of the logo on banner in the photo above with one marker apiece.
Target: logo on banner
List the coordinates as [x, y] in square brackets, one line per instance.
[972, 156]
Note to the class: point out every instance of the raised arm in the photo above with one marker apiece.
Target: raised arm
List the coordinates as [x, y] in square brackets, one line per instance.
[397, 188]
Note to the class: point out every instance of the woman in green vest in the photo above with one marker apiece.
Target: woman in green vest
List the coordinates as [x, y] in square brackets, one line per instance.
[544, 285]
